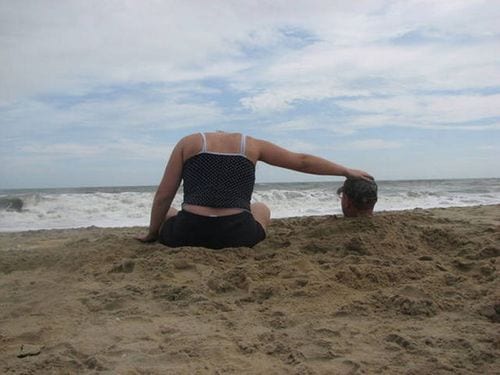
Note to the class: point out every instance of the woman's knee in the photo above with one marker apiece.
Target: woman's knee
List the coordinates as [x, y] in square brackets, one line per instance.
[261, 213]
[171, 212]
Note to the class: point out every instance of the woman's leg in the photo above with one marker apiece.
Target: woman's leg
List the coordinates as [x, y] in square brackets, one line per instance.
[261, 213]
[171, 212]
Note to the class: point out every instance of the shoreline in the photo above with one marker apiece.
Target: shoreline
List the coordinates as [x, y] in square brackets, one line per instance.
[376, 213]
[413, 291]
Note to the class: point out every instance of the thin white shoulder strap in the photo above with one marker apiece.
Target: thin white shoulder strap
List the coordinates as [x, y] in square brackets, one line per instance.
[204, 143]
[243, 145]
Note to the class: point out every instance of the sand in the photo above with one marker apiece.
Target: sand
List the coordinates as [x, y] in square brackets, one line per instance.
[413, 292]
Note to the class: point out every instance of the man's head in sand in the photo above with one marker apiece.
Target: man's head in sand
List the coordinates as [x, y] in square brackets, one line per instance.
[358, 197]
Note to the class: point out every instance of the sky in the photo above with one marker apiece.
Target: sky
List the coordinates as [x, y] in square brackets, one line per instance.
[97, 93]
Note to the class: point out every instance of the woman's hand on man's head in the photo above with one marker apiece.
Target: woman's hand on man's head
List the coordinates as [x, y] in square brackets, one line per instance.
[356, 173]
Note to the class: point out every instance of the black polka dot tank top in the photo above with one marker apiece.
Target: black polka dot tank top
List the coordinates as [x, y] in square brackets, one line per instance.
[221, 180]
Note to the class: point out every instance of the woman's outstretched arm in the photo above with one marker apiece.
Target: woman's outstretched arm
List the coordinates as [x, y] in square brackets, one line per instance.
[281, 157]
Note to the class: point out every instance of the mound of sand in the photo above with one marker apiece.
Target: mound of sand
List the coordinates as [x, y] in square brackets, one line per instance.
[410, 292]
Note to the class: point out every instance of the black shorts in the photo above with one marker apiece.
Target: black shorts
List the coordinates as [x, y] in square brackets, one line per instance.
[188, 229]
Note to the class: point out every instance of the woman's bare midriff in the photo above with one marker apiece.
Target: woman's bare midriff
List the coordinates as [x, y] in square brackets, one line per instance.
[211, 211]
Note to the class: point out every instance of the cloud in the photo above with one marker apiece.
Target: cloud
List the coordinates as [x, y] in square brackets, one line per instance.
[78, 44]
[495, 148]
[323, 71]
[121, 149]
[63, 150]
[428, 111]
[103, 113]
[371, 144]
[134, 75]
[298, 124]
[268, 102]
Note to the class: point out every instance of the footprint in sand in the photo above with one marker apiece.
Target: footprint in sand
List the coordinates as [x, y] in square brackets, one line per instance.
[28, 350]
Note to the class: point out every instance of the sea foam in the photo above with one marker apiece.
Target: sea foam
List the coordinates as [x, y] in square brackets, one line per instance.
[131, 206]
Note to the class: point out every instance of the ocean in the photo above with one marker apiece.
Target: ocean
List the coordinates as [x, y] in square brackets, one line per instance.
[130, 206]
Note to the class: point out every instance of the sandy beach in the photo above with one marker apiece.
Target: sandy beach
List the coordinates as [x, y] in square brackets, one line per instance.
[411, 292]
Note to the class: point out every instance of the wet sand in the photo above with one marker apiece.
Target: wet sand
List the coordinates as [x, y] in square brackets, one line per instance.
[413, 292]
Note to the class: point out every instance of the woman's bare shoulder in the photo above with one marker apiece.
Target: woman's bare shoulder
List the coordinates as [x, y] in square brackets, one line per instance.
[189, 145]
[195, 137]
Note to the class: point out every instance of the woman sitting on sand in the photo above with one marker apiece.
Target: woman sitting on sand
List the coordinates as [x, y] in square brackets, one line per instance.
[218, 170]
